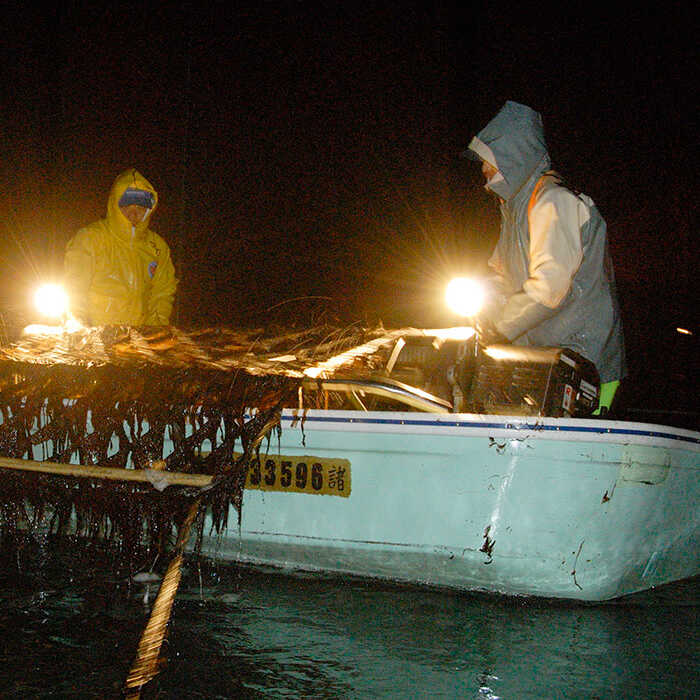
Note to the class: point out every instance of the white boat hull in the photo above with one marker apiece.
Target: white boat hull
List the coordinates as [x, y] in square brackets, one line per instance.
[566, 508]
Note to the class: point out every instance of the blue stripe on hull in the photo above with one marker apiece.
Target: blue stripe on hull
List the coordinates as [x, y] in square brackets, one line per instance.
[588, 430]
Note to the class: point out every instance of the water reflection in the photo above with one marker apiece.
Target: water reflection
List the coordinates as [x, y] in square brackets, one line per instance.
[254, 633]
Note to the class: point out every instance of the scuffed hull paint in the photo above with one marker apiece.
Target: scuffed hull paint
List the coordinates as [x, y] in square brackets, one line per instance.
[587, 510]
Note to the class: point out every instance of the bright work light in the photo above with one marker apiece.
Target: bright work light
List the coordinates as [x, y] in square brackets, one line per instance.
[465, 296]
[51, 300]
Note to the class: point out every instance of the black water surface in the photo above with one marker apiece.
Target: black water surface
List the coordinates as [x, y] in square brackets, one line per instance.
[69, 628]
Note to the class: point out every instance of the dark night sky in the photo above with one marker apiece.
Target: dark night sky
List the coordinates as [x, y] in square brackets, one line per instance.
[306, 149]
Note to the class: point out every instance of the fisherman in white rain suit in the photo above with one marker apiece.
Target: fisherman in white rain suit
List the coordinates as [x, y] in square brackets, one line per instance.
[554, 283]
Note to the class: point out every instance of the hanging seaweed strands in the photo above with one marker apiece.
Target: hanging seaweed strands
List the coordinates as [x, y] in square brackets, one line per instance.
[84, 418]
[107, 398]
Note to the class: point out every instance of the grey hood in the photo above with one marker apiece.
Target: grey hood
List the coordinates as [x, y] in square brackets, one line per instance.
[514, 139]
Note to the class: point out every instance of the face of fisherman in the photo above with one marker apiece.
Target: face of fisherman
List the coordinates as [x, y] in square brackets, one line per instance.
[488, 170]
[134, 213]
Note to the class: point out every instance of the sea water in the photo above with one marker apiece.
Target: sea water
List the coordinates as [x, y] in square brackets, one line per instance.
[69, 630]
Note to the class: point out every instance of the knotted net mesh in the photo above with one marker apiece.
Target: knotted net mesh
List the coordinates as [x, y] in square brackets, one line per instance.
[151, 399]
[91, 410]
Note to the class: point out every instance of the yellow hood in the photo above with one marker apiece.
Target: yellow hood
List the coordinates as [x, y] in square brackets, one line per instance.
[117, 222]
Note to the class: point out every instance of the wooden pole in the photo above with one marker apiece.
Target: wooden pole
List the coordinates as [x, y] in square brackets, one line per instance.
[145, 665]
[152, 476]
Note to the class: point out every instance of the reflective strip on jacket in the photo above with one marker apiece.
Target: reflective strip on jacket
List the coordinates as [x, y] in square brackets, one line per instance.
[118, 273]
[554, 270]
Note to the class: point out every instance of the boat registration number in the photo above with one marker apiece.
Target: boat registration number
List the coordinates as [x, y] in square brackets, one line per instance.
[305, 474]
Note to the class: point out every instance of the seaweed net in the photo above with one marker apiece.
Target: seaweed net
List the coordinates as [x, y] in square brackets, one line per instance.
[153, 399]
[112, 403]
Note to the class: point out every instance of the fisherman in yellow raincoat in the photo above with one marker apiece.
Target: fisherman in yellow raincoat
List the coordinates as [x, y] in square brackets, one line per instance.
[118, 271]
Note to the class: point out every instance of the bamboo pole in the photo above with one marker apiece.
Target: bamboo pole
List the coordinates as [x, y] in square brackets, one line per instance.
[110, 473]
[145, 665]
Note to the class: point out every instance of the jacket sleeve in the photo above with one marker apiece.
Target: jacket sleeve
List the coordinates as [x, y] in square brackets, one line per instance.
[555, 253]
[79, 269]
[162, 297]
[495, 288]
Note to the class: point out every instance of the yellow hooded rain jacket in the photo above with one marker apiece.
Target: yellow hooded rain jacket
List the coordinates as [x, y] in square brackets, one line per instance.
[118, 273]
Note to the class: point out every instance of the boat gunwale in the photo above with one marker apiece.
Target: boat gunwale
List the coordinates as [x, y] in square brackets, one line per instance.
[516, 427]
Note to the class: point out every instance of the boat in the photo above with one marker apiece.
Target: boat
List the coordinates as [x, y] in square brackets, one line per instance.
[569, 507]
[416, 457]
[565, 508]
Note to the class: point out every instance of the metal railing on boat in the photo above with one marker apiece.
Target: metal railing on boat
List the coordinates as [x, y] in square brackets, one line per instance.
[384, 388]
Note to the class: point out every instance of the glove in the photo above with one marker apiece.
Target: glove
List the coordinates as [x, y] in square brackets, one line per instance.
[487, 333]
